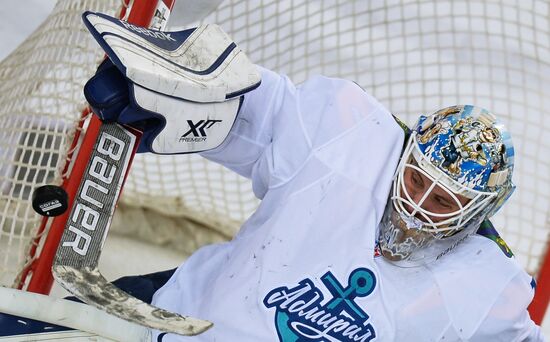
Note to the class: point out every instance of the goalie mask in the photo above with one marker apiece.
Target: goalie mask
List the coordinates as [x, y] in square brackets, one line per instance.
[455, 171]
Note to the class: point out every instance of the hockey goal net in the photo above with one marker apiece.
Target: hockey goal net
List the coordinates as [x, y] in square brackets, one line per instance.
[414, 56]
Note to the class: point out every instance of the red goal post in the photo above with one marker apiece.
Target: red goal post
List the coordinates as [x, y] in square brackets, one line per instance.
[539, 305]
[38, 272]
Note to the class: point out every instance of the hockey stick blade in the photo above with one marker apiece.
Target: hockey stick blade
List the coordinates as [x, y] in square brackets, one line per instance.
[90, 286]
[76, 259]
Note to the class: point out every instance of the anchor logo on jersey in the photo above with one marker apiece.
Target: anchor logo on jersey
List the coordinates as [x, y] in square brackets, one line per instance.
[303, 314]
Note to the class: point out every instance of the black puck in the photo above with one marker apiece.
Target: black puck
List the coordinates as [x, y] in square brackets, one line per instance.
[50, 200]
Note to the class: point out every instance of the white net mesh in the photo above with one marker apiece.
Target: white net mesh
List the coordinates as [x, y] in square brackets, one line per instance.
[414, 56]
[419, 56]
[40, 102]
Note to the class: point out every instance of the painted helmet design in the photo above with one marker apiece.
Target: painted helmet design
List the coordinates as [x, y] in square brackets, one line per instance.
[464, 156]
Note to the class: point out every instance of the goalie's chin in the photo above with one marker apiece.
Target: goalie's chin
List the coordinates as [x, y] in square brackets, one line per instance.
[398, 243]
[412, 247]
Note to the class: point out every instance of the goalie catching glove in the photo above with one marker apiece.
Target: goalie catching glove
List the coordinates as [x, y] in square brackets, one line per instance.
[182, 89]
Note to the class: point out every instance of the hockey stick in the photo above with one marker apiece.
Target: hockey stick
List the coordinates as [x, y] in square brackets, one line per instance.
[75, 265]
[76, 259]
[87, 225]
[70, 314]
[36, 275]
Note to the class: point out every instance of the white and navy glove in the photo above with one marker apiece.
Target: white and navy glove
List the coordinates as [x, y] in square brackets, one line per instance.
[182, 89]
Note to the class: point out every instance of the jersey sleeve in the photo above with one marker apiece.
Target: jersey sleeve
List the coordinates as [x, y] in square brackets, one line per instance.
[266, 143]
[508, 319]
[279, 125]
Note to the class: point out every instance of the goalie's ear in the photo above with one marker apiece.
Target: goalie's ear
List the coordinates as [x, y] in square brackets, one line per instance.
[200, 65]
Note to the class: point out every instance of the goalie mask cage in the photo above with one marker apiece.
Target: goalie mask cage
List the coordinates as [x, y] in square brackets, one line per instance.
[414, 56]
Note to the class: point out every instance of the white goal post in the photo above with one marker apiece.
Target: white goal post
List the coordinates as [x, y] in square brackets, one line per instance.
[415, 56]
[70, 314]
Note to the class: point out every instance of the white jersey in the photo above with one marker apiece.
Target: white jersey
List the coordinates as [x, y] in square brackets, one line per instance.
[321, 157]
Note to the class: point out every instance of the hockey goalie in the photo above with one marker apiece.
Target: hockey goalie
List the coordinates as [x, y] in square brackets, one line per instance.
[367, 230]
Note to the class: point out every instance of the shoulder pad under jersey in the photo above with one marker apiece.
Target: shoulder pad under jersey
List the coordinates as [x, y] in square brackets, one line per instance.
[487, 230]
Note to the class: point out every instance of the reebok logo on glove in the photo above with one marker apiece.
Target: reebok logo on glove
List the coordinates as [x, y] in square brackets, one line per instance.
[150, 33]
